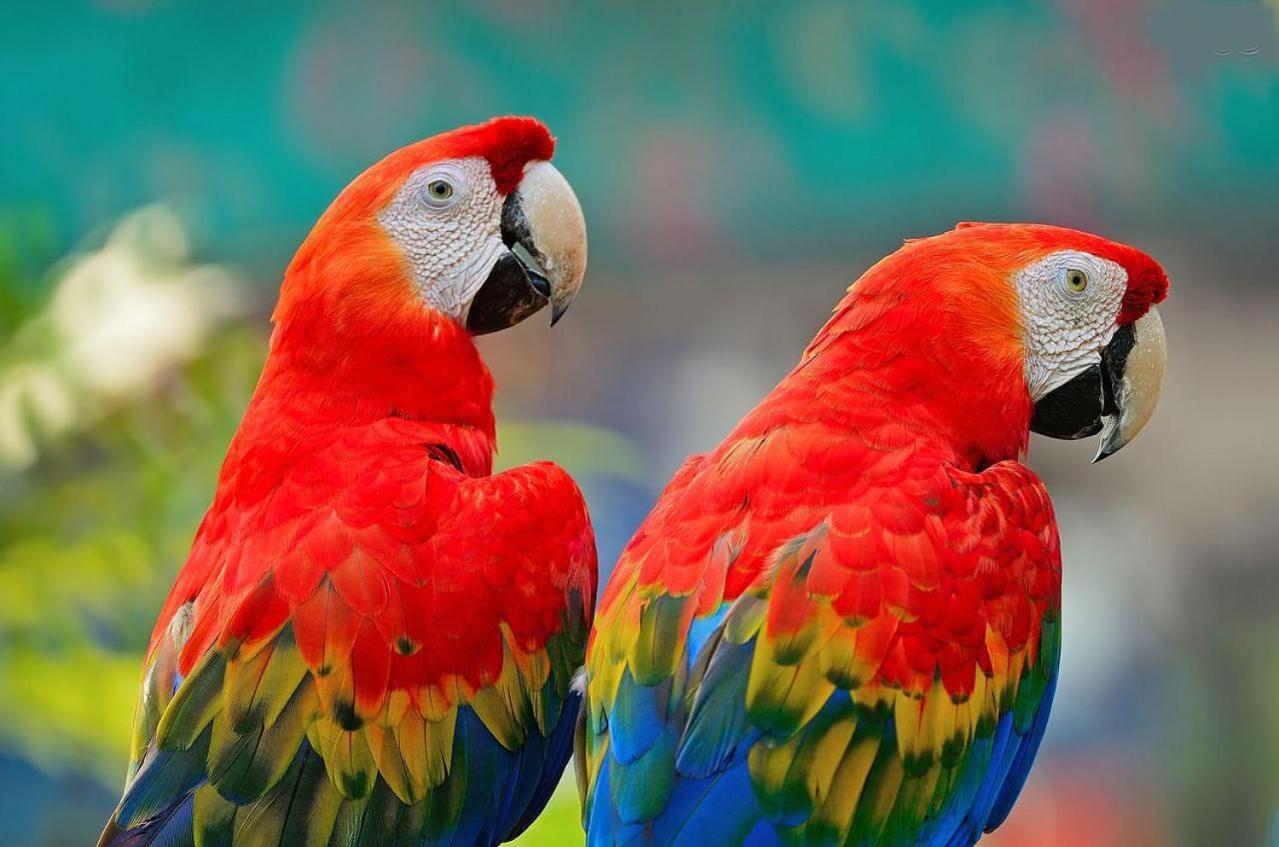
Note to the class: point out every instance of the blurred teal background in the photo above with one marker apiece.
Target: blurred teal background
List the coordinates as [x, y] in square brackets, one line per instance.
[739, 164]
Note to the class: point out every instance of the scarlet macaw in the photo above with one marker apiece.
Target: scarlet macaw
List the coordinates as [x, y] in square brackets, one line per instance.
[842, 625]
[373, 639]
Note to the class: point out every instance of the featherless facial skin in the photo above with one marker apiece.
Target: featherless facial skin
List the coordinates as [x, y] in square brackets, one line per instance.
[842, 625]
[374, 635]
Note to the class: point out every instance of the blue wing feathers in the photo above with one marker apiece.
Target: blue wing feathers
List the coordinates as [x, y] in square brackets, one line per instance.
[702, 629]
[640, 789]
[1020, 769]
[162, 776]
[516, 784]
[607, 829]
[639, 718]
[719, 810]
[551, 765]
[712, 801]
[170, 828]
[718, 725]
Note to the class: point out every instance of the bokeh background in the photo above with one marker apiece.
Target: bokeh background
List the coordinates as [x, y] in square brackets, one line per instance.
[739, 164]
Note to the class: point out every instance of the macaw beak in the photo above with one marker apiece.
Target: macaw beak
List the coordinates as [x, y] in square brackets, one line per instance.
[1135, 384]
[545, 257]
[1115, 397]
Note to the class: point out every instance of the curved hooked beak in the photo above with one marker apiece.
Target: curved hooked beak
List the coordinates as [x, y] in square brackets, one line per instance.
[545, 257]
[1116, 397]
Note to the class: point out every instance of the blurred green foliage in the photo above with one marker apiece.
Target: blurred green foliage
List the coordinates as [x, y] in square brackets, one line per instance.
[90, 536]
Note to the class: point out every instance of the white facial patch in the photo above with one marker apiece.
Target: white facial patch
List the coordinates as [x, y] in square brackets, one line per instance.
[446, 218]
[1069, 304]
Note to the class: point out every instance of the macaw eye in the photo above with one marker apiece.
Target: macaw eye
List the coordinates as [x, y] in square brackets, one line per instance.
[1076, 281]
[439, 191]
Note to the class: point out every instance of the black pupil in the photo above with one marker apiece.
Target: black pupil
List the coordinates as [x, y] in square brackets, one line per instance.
[1076, 279]
[440, 189]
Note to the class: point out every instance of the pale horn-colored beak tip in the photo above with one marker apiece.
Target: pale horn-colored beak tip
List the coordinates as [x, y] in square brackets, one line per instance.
[1137, 391]
[558, 231]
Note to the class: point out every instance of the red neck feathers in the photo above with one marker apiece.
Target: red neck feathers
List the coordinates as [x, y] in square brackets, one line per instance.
[354, 345]
[925, 349]
[411, 363]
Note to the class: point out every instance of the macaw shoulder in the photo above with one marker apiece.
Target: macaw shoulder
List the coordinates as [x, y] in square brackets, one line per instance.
[905, 513]
[384, 523]
[733, 507]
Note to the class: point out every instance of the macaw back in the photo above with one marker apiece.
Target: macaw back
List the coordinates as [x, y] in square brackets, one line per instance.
[841, 626]
[373, 638]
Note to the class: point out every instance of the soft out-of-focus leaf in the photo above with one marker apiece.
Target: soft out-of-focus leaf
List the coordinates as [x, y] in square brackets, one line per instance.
[582, 449]
[113, 476]
[69, 707]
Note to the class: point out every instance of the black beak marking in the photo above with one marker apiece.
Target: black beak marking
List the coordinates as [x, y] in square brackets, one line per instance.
[1072, 410]
[536, 275]
[1114, 360]
[1075, 410]
[507, 297]
[514, 222]
[517, 287]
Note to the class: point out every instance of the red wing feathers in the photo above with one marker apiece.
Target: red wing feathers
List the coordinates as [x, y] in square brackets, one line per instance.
[360, 605]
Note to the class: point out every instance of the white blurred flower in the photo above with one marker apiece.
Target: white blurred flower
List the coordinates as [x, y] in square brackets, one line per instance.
[31, 397]
[120, 317]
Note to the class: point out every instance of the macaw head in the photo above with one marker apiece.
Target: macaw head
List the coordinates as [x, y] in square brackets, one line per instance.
[1003, 329]
[1090, 341]
[474, 225]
